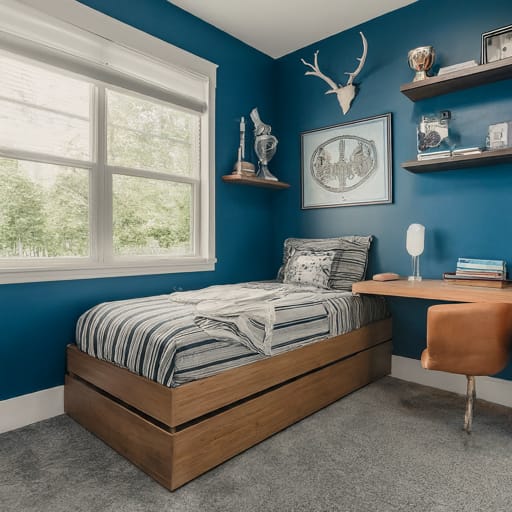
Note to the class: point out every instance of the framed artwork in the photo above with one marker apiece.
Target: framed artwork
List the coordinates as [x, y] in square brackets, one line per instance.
[347, 164]
[496, 44]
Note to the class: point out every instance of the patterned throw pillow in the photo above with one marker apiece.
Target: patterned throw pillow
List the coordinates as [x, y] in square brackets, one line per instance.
[350, 261]
[311, 268]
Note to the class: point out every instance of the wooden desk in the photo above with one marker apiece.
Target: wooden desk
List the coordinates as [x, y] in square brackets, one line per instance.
[435, 289]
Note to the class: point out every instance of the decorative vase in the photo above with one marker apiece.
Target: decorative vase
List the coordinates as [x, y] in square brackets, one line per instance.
[421, 59]
[265, 145]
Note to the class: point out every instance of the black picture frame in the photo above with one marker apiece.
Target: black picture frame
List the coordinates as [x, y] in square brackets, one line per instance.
[490, 40]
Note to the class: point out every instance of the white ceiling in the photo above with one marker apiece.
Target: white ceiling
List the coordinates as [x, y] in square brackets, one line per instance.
[278, 27]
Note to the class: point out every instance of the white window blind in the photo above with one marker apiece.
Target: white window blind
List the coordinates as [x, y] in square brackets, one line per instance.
[69, 47]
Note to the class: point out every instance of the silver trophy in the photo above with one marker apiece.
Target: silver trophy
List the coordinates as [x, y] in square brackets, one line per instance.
[421, 59]
[265, 145]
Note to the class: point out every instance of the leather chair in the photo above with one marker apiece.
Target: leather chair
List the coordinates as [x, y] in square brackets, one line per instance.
[469, 339]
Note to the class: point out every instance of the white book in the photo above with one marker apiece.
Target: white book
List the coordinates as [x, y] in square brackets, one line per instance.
[467, 151]
[433, 156]
[456, 67]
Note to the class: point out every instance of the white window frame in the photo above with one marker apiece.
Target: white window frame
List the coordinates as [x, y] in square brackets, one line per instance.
[101, 262]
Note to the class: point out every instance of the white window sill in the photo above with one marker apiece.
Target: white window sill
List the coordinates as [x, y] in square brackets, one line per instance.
[65, 273]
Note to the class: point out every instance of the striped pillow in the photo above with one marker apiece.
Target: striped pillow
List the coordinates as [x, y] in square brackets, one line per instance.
[350, 261]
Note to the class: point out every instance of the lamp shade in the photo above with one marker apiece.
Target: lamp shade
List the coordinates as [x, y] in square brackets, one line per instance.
[415, 242]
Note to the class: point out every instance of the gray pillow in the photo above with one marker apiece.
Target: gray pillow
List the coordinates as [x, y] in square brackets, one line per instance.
[309, 268]
[350, 261]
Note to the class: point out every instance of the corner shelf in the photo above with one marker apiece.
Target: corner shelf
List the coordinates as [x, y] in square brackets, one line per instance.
[494, 157]
[255, 182]
[458, 80]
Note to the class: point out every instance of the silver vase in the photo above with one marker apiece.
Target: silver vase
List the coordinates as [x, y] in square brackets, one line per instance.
[421, 59]
[265, 145]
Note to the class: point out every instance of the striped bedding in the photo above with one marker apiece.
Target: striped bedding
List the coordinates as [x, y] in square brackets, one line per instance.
[159, 339]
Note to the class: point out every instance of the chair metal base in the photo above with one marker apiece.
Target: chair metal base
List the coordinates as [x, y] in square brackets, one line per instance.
[470, 403]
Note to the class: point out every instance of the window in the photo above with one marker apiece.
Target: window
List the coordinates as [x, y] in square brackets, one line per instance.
[102, 171]
[46, 138]
[153, 151]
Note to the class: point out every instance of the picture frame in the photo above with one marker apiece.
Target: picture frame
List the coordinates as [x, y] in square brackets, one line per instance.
[348, 164]
[499, 135]
[496, 45]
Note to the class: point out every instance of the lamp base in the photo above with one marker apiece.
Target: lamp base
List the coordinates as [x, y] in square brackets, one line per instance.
[414, 278]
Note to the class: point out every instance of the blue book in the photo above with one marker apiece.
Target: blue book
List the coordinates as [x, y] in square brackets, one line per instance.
[474, 264]
[467, 266]
[476, 261]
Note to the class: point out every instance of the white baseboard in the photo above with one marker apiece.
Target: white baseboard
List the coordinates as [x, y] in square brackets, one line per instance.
[491, 389]
[24, 410]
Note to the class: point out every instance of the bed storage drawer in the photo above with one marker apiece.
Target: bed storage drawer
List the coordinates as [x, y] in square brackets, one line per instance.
[208, 443]
[176, 456]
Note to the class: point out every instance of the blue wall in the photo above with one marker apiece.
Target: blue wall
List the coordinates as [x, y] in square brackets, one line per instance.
[37, 320]
[466, 212]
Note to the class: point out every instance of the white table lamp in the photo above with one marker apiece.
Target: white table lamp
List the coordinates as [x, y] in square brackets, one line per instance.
[415, 245]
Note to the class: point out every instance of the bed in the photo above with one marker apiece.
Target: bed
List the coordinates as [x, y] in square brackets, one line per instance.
[180, 383]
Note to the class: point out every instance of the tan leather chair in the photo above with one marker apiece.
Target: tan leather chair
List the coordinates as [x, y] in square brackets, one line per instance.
[470, 339]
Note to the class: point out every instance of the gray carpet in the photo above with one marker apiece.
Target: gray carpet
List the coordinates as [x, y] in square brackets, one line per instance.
[392, 446]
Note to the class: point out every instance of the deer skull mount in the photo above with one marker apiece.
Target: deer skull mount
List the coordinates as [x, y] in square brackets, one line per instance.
[345, 93]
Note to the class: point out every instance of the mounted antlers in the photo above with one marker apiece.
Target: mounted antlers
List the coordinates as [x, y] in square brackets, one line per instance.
[345, 93]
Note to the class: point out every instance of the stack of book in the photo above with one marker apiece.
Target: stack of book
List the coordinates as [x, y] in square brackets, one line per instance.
[433, 155]
[476, 272]
[457, 67]
[467, 151]
[243, 168]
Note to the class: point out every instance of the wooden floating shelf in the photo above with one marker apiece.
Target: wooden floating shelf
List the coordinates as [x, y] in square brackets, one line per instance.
[255, 182]
[458, 80]
[494, 157]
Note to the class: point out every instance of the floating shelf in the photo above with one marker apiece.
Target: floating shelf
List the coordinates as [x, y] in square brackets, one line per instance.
[255, 182]
[494, 157]
[458, 80]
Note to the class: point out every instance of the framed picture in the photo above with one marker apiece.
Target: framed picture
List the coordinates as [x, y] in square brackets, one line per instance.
[347, 164]
[496, 44]
[499, 135]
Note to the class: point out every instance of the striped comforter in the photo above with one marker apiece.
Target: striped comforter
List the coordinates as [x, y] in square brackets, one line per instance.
[160, 339]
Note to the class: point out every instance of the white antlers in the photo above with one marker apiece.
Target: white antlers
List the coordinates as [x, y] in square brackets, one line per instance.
[345, 93]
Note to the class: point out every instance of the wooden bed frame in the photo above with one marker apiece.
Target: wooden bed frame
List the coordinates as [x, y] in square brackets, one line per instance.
[176, 434]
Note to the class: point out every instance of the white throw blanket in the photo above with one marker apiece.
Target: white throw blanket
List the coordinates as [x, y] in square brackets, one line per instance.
[243, 313]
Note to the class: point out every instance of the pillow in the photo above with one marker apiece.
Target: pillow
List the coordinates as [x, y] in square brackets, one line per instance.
[350, 261]
[311, 268]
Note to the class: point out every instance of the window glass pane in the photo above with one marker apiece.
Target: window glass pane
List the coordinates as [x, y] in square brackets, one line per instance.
[44, 210]
[145, 134]
[151, 217]
[44, 111]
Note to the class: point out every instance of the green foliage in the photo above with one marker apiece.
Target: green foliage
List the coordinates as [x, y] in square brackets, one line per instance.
[151, 217]
[44, 212]
[67, 212]
[42, 221]
[147, 135]
[22, 219]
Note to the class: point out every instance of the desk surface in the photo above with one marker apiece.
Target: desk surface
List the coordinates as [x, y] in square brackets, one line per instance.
[435, 289]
